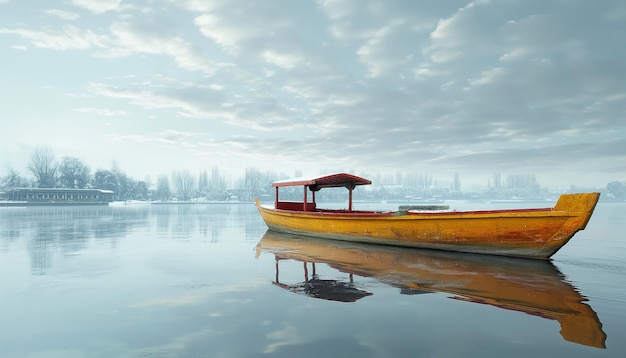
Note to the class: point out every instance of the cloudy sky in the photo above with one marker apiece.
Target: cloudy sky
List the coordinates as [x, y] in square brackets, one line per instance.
[438, 87]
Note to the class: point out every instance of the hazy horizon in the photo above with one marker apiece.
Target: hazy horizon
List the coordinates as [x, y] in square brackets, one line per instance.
[378, 178]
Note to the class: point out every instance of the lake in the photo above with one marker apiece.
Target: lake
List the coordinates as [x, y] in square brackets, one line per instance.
[207, 280]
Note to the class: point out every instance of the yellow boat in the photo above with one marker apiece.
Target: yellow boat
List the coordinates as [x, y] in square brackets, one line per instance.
[534, 287]
[533, 233]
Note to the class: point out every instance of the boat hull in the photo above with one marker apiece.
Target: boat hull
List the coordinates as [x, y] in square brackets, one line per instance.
[532, 233]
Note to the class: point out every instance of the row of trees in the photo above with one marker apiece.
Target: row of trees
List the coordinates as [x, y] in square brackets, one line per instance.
[186, 187]
[214, 186]
[71, 172]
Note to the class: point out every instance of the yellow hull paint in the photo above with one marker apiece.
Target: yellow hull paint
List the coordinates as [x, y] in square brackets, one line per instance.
[531, 286]
[535, 233]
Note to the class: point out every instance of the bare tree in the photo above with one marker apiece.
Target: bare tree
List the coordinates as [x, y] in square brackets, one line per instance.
[74, 173]
[163, 188]
[253, 182]
[184, 183]
[125, 185]
[497, 180]
[425, 181]
[43, 167]
[217, 182]
[203, 181]
[456, 183]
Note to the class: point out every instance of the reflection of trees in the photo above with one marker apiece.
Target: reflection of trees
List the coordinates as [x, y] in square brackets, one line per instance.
[119, 223]
[253, 224]
[39, 249]
[53, 232]
[66, 229]
[183, 222]
[208, 221]
[9, 234]
[163, 215]
[72, 235]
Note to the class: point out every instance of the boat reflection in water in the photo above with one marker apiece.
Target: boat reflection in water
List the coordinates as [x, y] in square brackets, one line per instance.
[534, 287]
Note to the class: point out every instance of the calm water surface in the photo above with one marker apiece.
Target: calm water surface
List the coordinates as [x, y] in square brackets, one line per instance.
[208, 281]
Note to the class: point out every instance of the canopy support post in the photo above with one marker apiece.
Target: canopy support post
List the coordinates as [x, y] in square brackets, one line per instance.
[304, 201]
[350, 199]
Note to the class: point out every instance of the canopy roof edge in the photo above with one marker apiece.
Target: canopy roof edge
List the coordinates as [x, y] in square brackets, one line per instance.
[326, 181]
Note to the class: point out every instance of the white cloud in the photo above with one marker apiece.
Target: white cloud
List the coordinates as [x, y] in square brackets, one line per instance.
[167, 137]
[149, 100]
[65, 15]
[465, 30]
[99, 6]
[201, 5]
[263, 25]
[216, 29]
[102, 112]
[515, 54]
[70, 37]
[129, 41]
[286, 61]
[488, 76]
[386, 51]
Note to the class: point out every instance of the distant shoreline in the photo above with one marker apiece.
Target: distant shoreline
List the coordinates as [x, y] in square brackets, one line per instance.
[57, 203]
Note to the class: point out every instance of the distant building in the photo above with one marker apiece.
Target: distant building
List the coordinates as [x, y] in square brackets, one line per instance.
[59, 196]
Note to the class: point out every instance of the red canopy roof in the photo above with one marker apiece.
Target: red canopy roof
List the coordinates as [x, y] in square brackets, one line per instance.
[327, 181]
